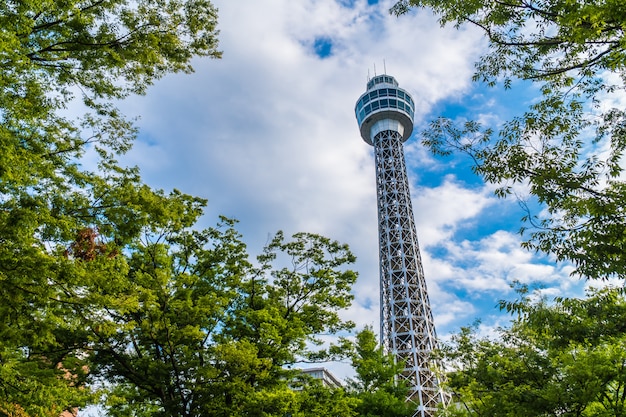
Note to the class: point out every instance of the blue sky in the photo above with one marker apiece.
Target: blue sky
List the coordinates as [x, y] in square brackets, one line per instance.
[268, 135]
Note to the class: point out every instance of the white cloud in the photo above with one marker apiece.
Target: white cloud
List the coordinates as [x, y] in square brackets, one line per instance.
[268, 135]
[439, 211]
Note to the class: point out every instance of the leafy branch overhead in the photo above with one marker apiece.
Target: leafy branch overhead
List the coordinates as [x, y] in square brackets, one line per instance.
[555, 40]
[98, 51]
[567, 147]
[107, 48]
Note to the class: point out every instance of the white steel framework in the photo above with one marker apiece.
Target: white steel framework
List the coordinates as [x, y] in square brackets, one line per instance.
[385, 116]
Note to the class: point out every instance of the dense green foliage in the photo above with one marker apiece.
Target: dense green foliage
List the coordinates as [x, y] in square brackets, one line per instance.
[205, 333]
[567, 148]
[90, 52]
[566, 359]
[109, 294]
[375, 382]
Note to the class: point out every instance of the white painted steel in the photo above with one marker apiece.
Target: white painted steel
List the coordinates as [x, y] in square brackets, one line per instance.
[407, 329]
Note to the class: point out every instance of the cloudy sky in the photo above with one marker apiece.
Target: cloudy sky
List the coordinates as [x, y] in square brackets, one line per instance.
[268, 135]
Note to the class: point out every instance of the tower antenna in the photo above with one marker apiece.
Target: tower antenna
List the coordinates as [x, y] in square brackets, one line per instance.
[385, 67]
[407, 330]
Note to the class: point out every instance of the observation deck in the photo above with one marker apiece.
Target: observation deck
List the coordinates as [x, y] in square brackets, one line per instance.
[384, 106]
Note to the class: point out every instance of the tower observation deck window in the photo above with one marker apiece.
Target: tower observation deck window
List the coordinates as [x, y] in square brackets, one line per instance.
[377, 100]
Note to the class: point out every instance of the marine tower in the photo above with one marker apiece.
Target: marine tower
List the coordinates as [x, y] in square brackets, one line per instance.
[385, 116]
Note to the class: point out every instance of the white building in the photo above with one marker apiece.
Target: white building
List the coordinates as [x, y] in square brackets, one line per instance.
[324, 375]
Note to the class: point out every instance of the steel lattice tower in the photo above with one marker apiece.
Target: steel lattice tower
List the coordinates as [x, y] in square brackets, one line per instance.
[385, 116]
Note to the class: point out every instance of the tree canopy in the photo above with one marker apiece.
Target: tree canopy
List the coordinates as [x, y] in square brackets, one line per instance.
[568, 146]
[110, 294]
[552, 40]
[375, 382]
[203, 332]
[565, 358]
[63, 226]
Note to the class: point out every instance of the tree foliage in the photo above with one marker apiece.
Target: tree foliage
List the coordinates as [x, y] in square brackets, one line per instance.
[569, 144]
[566, 359]
[64, 226]
[109, 293]
[375, 384]
[555, 40]
[203, 332]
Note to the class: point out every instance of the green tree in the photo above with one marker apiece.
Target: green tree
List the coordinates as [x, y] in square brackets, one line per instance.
[202, 332]
[62, 226]
[375, 384]
[317, 400]
[566, 359]
[568, 146]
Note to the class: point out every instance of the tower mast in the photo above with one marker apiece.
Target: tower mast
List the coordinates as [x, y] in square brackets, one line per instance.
[407, 331]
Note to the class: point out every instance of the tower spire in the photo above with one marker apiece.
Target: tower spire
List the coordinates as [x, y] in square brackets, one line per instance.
[407, 331]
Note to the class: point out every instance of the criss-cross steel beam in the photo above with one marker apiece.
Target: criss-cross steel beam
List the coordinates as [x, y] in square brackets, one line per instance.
[385, 115]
